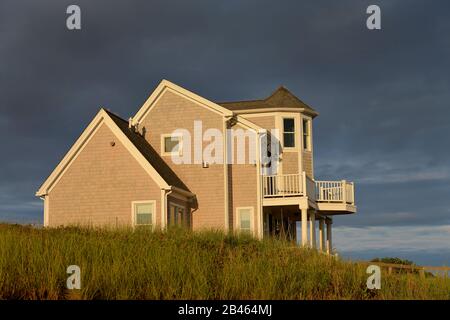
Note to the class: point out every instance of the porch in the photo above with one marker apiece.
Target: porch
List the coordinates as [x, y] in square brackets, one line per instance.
[301, 226]
[293, 203]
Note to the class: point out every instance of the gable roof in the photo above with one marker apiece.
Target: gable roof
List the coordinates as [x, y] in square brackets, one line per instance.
[166, 85]
[142, 152]
[279, 99]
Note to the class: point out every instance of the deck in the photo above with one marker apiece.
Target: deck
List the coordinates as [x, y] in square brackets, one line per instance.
[289, 189]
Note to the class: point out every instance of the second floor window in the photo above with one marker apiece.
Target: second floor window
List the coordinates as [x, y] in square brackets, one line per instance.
[289, 133]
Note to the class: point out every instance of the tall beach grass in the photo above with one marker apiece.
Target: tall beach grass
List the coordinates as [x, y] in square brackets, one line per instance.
[177, 264]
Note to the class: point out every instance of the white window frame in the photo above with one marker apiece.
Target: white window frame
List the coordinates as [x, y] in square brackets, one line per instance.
[295, 132]
[163, 144]
[308, 147]
[238, 218]
[133, 212]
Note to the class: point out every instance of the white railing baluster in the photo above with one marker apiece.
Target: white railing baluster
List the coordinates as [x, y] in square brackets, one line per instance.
[282, 185]
[301, 185]
[334, 191]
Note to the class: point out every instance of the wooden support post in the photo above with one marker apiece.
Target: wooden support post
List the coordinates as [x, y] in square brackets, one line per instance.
[322, 244]
[312, 230]
[329, 240]
[304, 227]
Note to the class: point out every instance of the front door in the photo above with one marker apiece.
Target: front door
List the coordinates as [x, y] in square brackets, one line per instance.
[271, 155]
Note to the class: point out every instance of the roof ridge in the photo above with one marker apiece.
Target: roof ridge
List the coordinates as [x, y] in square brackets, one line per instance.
[109, 112]
[240, 101]
[280, 87]
[280, 97]
[285, 89]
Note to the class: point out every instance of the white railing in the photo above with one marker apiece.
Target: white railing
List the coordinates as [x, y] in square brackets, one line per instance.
[310, 187]
[282, 185]
[301, 185]
[335, 191]
[350, 192]
[329, 191]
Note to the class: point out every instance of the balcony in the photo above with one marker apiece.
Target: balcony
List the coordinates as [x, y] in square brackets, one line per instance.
[322, 195]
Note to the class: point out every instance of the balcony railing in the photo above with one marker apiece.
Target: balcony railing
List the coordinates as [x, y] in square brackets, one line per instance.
[282, 185]
[290, 185]
[335, 191]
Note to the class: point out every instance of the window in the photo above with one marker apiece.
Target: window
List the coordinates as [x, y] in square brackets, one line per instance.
[289, 133]
[306, 134]
[178, 215]
[171, 144]
[245, 219]
[144, 214]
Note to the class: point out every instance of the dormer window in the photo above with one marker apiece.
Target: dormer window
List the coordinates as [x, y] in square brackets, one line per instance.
[307, 134]
[289, 132]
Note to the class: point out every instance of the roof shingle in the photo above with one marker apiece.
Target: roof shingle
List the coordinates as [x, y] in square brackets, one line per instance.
[148, 152]
[280, 98]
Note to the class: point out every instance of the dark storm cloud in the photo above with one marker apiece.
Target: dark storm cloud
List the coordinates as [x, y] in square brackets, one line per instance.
[382, 95]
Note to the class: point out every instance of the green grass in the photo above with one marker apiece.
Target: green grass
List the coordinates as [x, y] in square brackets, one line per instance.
[123, 264]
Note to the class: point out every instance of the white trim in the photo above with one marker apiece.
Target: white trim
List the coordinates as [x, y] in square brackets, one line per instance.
[163, 144]
[102, 117]
[180, 196]
[133, 211]
[46, 210]
[258, 115]
[225, 174]
[165, 85]
[295, 147]
[259, 209]
[261, 111]
[308, 147]
[300, 201]
[248, 124]
[311, 151]
[252, 219]
[163, 210]
[183, 192]
[280, 126]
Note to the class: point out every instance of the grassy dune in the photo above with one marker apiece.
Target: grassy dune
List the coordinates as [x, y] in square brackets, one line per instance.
[122, 264]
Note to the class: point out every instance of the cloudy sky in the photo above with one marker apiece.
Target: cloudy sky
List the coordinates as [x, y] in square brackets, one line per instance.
[383, 96]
